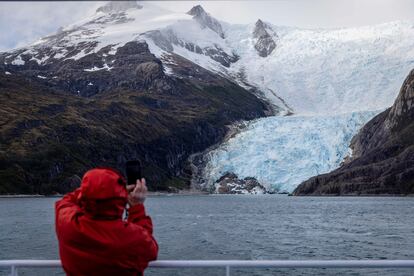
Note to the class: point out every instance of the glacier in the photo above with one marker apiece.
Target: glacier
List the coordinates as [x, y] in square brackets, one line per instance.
[334, 81]
[281, 152]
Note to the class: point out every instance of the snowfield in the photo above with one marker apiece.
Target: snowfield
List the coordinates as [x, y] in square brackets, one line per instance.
[331, 71]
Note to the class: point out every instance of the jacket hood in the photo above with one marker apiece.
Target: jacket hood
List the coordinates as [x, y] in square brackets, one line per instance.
[103, 193]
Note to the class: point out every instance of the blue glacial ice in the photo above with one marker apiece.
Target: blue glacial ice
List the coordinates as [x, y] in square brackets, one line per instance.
[281, 152]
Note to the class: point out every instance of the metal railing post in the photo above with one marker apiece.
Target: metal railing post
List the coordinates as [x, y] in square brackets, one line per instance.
[13, 271]
[227, 270]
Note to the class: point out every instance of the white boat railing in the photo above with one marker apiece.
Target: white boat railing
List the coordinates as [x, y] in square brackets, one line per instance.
[14, 265]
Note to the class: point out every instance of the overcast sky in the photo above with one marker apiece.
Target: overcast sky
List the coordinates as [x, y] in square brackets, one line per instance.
[25, 22]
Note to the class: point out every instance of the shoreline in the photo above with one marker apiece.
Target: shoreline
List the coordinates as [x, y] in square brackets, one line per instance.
[201, 193]
[355, 195]
[180, 193]
[23, 196]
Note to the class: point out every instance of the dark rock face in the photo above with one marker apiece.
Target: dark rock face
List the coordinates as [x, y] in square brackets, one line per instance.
[132, 66]
[205, 20]
[264, 41]
[165, 39]
[119, 6]
[229, 183]
[383, 155]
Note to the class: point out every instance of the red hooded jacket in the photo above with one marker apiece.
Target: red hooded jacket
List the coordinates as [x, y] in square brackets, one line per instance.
[93, 238]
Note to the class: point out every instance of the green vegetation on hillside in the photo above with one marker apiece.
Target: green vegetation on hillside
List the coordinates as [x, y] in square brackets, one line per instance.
[48, 139]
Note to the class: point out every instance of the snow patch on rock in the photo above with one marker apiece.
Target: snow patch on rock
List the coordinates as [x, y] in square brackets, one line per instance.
[18, 61]
[94, 69]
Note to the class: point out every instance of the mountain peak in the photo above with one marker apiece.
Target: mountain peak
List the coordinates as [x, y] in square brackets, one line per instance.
[265, 44]
[260, 29]
[118, 6]
[259, 23]
[197, 11]
[206, 20]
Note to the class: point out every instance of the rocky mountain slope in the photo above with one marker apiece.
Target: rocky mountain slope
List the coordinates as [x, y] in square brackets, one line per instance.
[50, 137]
[72, 102]
[382, 160]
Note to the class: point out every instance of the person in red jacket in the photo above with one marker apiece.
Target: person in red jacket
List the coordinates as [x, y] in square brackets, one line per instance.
[94, 239]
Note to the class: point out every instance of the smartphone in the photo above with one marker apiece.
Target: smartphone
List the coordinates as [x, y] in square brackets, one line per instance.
[133, 171]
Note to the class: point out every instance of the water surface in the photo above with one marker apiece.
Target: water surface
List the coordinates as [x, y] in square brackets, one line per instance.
[244, 227]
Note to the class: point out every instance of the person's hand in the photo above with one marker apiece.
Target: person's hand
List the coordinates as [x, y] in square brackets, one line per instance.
[137, 193]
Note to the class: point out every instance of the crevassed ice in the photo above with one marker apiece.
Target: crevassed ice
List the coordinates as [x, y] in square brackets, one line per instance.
[281, 152]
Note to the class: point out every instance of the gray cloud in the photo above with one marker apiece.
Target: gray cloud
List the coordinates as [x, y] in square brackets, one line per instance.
[307, 13]
[25, 22]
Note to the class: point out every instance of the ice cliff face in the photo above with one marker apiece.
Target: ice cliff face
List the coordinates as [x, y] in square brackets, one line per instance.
[280, 152]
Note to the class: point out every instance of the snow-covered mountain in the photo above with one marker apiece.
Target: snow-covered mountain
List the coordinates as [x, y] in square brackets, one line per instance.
[332, 80]
[312, 71]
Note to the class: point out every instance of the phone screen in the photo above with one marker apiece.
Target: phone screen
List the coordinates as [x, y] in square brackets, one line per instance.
[133, 171]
